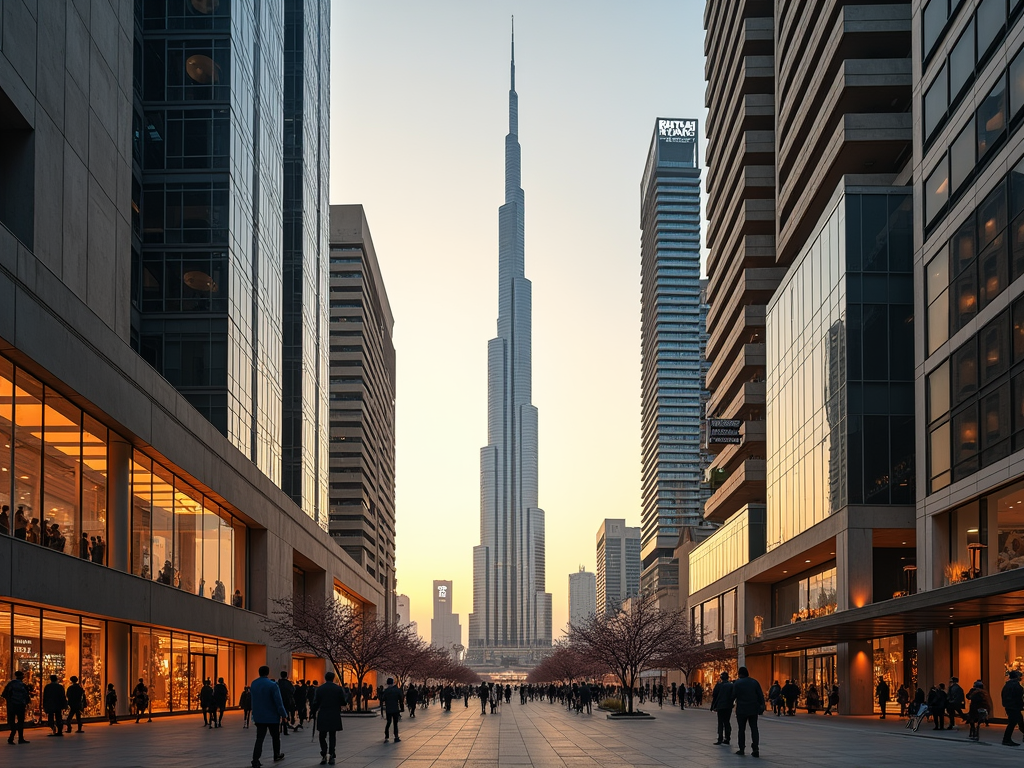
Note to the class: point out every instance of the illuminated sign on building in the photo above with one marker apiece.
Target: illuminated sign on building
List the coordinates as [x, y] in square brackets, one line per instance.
[677, 129]
[442, 591]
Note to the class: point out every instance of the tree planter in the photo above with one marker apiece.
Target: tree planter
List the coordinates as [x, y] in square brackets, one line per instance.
[635, 716]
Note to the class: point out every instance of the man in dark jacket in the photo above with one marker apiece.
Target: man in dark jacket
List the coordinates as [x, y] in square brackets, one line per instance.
[220, 701]
[938, 700]
[206, 703]
[882, 695]
[330, 698]
[288, 697]
[76, 703]
[484, 693]
[17, 696]
[1013, 703]
[391, 700]
[55, 701]
[749, 700]
[955, 701]
[412, 696]
[721, 703]
[790, 692]
[267, 712]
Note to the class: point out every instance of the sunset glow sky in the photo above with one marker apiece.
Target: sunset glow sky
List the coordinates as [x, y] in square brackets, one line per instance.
[419, 112]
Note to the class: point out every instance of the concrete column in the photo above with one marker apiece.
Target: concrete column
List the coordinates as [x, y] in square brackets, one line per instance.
[119, 518]
[855, 670]
[854, 568]
[119, 662]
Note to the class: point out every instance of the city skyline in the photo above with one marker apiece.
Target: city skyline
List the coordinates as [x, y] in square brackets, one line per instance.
[439, 247]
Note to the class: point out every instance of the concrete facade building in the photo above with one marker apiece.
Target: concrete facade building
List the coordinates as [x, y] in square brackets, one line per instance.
[445, 629]
[618, 564]
[362, 401]
[582, 596]
[511, 618]
[672, 347]
[811, 214]
[172, 540]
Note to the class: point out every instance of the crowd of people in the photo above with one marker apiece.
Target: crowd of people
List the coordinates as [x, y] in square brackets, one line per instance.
[48, 534]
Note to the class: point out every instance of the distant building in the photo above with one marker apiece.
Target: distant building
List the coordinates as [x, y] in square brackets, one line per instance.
[362, 401]
[445, 629]
[582, 596]
[403, 614]
[618, 564]
[672, 339]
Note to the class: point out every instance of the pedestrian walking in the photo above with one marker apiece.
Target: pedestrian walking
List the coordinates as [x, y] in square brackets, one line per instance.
[1013, 703]
[903, 699]
[484, 694]
[775, 697]
[220, 701]
[882, 695]
[288, 697]
[411, 697]
[330, 699]
[937, 701]
[55, 701]
[76, 703]
[791, 692]
[140, 700]
[721, 704]
[301, 704]
[206, 703]
[245, 704]
[833, 700]
[268, 713]
[749, 700]
[391, 700]
[16, 694]
[110, 704]
[980, 709]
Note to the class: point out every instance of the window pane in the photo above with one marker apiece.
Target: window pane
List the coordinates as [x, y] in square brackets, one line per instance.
[961, 158]
[995, 349]
[938, 392]
[936, 191]
[938, 455]
[962, 246]
[938, 322]
[1017, 248]
[961, 61]
[991, 216]
[936, 99]
[1017, 84]
[965, 371]
[6, 437]
[991, 16]
[965, 434]
[163, 527]
[1018, 331]
[965, 294]
[142, 517]
[936, 276]
[992, 118]
[992, 271]
[92, 664]
[28, 419]
[94, 486]
[995, 425]
[187, 544]
[933, 20]
[62, 445]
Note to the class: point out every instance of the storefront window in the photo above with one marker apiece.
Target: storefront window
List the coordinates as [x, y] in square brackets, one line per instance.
[1009, 510]
[62, 446]
[94, 487]
[163, 527]
[5, 648]
[807, 596]
[142, 517]
[92, 669]
[6, 432]
[27, 652]
[1013, 640]
[890, 664]
[188, 516]
[965, 540]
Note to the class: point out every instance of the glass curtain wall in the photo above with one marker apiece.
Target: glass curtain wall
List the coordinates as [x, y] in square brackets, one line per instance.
[184, 539]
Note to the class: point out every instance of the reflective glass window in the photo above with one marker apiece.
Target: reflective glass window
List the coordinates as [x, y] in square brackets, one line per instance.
[27, 653]
[936, 99]
[92, 664]
[990, 16]
[94, 490]
[938, 322]
[938, 392]
[995, 425]
[933, 19]
[992, 271]
[6, 437]
[1017, 247]
[992, 119]
[1017, 84]
[963, 246]
[961, 62]
[961, 158]
[965, 371]
[936, 277]
[965, 441]
[992, 216]
[163, 555]
[938, 454]
[188, 514]
[28, 421]
[874, 233]
[936, 190]
[1017, 334]
[965, 298]
[994, 348]
[142, 517]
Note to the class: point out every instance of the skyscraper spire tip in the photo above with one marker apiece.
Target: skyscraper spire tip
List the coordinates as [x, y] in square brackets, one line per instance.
[513, 52]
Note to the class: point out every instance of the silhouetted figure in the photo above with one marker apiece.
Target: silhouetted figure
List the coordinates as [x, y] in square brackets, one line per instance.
[330, 698]
[17, 696]
[267, 712]
[76, 703]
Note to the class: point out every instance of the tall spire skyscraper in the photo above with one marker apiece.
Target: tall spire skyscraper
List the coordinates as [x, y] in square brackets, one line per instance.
[511, 610]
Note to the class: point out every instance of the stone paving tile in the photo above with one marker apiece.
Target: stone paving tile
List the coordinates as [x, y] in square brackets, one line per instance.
[537, 735]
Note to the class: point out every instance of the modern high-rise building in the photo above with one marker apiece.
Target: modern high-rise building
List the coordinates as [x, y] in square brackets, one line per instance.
[362, 400]
[172, 541]
[229, 223]
[445, 629]
[582, 596]
[511, 615]
[403, 614]
[672, 352]
[618, 564]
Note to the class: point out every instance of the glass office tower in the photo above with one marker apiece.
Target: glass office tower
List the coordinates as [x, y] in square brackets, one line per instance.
[672, 351]
[230, 218]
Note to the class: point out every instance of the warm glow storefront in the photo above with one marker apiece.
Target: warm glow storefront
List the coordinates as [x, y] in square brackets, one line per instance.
[41, 642]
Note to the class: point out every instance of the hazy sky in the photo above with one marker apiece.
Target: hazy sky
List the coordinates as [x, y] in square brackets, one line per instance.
[419, 113]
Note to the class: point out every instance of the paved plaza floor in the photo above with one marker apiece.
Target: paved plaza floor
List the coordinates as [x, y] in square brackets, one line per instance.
[539, 734]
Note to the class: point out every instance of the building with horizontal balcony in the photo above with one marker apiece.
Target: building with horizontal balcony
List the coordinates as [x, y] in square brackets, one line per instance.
[618, 564]
[582, 597]
[362, 400]
[137, 539]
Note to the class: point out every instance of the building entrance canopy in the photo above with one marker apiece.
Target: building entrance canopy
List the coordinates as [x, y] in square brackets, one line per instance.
[992, 598]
